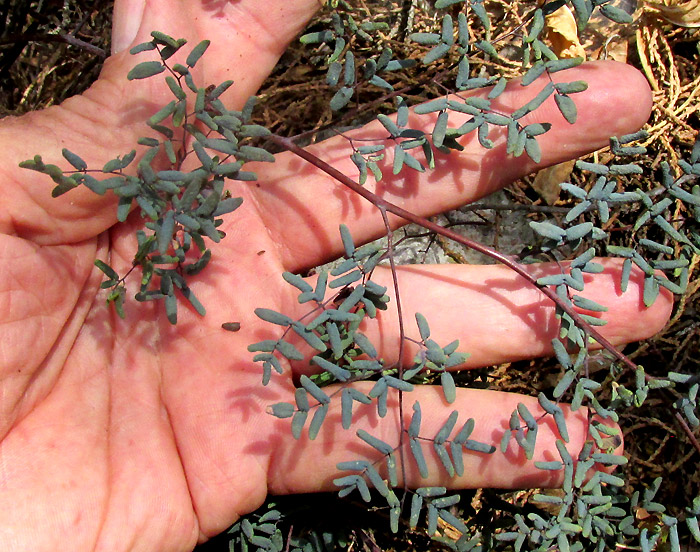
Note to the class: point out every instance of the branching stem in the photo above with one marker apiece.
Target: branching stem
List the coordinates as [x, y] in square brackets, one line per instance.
[385, 206]
[59, 37]
[402, 332]
[507, 260]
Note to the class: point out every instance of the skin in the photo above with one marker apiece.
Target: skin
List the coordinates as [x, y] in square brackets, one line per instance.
[137, 435]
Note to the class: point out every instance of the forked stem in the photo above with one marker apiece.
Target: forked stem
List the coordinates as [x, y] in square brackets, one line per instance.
[386, 206]
[507, 260]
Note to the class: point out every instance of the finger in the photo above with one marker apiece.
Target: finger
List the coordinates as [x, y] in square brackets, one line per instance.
[496, 315]
[107, 120]
[291, 190]
[491, 410]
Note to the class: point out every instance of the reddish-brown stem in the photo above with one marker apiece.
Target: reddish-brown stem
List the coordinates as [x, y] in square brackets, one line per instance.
[61, 37]
[385, 206]
[402, 332]
[507, 260]
[687, 431]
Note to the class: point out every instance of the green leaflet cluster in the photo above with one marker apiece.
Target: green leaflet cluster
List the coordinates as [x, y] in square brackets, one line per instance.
[182, 209]
[431, 501]
[662, 244]
[545, 61]
[669, 228]
[344, 72]
[484, 117]
[587, 509]
[536, 54]
[341, 299]
[519, 139]
[444, 41]
[666, 228]
[452, 44]
[530, 40]
[595, 510]
[686, 389]
[590, 511]
[445, 139]
[265, 532]
[344, 356]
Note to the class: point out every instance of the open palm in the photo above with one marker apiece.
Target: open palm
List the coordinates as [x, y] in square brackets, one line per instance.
[137, 435]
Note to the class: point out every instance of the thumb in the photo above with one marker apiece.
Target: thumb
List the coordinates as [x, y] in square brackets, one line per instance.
[126, 21]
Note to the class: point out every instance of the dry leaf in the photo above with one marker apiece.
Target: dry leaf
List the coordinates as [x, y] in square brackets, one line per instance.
[562, 34]
[547, 181]
[684, 13]
[447, 530]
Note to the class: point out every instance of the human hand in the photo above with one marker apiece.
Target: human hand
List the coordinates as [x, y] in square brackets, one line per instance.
[137, 435]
